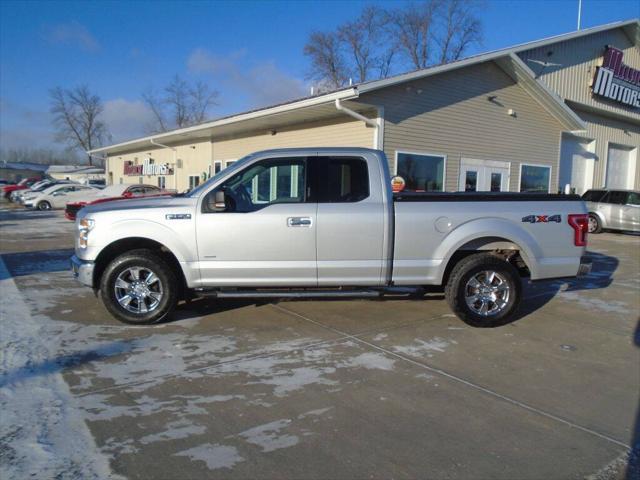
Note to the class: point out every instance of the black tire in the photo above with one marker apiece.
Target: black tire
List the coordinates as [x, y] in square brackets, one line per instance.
[44, 205]
[147, 261]
[595, 226]
[474, 266]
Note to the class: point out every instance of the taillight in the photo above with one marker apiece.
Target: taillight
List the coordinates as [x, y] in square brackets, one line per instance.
[580, 224]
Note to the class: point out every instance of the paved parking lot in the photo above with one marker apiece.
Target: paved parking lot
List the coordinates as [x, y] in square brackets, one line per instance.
[334, 389]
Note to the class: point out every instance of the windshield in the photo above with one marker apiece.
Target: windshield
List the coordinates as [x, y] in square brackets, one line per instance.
[231, 169]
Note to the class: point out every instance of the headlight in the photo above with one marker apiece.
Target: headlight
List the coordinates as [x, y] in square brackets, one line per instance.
[84, 227]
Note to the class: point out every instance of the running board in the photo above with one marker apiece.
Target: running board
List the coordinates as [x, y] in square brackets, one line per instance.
[364, 293]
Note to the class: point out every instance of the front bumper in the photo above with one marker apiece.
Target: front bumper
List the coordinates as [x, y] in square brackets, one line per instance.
[585, 266]
[82, 271]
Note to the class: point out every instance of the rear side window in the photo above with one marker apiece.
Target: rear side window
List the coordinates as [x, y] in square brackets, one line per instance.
[593, 195]
[347, 180]
[617, 198]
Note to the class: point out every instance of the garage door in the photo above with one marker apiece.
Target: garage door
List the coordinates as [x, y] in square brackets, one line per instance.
[576, 163]
[621, 166]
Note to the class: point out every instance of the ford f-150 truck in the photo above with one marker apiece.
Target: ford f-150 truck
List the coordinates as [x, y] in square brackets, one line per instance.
[324, 222]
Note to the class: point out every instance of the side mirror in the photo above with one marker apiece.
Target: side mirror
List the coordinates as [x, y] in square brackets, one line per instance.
[219, 201]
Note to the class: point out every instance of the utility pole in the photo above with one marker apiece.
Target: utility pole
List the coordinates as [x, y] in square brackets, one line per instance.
[579, 12]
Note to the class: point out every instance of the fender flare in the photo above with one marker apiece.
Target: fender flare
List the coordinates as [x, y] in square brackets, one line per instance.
[491, 227]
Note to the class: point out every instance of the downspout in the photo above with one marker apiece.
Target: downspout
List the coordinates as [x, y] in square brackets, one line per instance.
[175, 160]
[372, 123]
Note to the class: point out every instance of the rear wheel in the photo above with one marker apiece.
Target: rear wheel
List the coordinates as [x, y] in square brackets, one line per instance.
[484, 290]
[139, 287]
[44, 205]
[594, 224]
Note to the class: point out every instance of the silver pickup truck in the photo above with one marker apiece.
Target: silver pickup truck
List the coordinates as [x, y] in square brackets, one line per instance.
[324, 222]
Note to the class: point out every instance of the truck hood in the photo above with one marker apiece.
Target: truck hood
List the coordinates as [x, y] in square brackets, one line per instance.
[140, 204]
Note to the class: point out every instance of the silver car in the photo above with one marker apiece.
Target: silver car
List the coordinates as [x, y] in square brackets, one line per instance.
[613, 210]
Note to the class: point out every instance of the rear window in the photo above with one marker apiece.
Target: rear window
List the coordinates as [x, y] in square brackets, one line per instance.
[348, 180]
[593, 195]
[633, 198]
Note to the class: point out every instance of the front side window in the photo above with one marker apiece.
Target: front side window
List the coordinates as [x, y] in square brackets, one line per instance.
[633, 198]
[280, 180]
[422, 173]
[535, 178]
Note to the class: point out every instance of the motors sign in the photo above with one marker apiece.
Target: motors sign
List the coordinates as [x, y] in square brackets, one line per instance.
[616, 81]
[147, 168]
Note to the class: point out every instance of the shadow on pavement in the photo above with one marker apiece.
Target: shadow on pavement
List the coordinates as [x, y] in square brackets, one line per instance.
[19, 215]
[72, 360]
[42, 261]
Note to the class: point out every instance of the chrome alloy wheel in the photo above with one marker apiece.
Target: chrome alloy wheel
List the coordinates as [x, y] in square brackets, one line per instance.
[487, 293]
[593, 224]
[138, 290]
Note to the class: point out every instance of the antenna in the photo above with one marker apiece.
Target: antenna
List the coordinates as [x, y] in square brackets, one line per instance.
[579, 12]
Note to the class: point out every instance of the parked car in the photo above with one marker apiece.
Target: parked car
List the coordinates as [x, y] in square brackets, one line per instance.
[115, 192]
[54, 197]
[20, 196]
[21, 185]
[613, 210]
[325, 223]
[4, 182]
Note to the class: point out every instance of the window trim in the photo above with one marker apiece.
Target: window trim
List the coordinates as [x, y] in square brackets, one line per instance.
[425, 154]
[550, 167]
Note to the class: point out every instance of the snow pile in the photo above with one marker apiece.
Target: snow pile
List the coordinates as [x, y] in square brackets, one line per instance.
[42, 434]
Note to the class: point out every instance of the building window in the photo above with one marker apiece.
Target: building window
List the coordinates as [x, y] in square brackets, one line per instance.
[194, 181]
[496, 182]
[229, 163]
[162, 181]
[120, 180]
[217, 167]
[471, 181]
[421, 172]
[535, 178]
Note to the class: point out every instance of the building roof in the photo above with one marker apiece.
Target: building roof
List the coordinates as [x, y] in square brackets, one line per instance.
[36, 167]
[84, 169]
[323, 105]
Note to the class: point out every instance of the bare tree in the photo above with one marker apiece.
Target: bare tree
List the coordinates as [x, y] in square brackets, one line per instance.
[413, 27]
[77, 118]
[461, 28]
[328, 64]
[181, 104]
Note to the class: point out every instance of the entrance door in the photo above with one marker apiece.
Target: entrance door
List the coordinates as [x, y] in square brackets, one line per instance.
[621, 166]
[576, 163]
[483, 176]
[266, 235]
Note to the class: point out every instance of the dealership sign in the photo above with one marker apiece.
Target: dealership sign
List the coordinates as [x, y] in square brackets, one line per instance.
[147, 168]
[616, 81]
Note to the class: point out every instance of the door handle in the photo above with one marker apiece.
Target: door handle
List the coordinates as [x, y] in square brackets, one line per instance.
[299, 221]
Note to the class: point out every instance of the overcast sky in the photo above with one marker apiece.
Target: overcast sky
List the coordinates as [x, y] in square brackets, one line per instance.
[250, 51]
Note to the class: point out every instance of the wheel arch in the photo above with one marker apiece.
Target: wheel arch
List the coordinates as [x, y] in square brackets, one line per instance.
[118, 247]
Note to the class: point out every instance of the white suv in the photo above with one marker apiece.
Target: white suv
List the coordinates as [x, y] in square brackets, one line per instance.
[613, 209]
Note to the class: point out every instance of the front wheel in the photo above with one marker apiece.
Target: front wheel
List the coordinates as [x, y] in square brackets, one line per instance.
[484, 290]
[139, 287]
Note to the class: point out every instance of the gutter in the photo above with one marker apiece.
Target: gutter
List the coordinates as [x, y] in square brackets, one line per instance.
[376, 124]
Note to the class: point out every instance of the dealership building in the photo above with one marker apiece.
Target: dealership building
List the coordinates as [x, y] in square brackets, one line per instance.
[535, 117]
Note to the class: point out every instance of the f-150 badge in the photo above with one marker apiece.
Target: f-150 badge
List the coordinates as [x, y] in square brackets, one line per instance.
[542, 218]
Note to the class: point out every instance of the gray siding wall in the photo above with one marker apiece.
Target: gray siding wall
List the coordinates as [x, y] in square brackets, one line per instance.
[450, 114]
[577, 60]
[604, 130]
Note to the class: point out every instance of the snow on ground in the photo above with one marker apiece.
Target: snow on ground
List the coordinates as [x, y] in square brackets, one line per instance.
[42, 434]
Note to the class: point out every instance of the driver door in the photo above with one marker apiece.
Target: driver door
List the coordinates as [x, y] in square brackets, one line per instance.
[266, 235]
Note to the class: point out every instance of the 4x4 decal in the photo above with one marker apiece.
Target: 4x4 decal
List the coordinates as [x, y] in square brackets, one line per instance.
[542, 218]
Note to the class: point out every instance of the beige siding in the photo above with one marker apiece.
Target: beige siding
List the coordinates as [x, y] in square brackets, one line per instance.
[604, 130]
[450, 114]
[577, 61]
[338, 132]
[195, 158]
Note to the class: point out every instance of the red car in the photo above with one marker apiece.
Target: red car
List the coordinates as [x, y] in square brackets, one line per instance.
[22, 185]
[115, 192]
